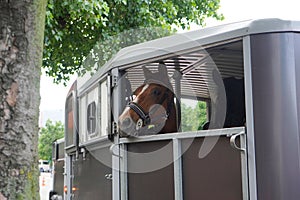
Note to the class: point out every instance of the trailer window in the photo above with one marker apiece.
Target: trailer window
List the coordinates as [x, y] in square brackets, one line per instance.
[208, 85]
[60, 150]
[91, 107]
[91, 118]
[93, 112]
[69, 121]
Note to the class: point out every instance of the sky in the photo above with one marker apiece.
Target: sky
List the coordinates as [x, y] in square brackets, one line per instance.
[53, 96]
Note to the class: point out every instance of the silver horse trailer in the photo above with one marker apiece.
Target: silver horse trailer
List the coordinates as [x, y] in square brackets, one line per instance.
[248, 76]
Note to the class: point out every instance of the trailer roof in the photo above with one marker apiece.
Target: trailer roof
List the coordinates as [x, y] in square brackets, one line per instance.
[185, 43]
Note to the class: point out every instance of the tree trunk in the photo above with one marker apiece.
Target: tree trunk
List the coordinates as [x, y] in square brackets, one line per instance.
[21, 43]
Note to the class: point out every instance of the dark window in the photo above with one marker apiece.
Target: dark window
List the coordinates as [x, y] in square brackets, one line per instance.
[60, 150]
[91, 118]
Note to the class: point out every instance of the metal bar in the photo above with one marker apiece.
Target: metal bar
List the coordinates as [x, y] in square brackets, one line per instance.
[250, 119]
[244, 170]
[177, 169]
[115, 174]
[177, 77]
[123, 172]
[116, 159]
[183, 135]
[109, 105]
[199, 62]
[67, 176]
[244, 167]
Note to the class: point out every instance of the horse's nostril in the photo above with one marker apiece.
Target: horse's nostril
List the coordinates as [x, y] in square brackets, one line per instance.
[126, 122]
[126, 127]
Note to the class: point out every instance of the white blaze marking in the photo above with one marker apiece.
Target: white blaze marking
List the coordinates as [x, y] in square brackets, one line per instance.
[143, 90]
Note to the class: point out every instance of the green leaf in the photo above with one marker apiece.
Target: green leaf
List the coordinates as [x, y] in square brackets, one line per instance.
[74, 27]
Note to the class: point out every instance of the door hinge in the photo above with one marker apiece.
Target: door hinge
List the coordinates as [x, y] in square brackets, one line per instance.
[114, 128]
[114, 131]
[114, 81]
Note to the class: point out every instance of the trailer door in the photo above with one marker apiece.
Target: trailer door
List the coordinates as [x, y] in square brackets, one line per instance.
[196, 165]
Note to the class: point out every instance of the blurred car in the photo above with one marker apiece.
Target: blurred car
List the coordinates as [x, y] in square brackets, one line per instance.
[44, 166]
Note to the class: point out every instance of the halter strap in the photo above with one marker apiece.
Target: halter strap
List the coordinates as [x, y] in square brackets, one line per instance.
[146, 116]
[140, 111]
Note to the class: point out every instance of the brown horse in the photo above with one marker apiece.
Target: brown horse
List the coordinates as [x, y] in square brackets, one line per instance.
[152, 109]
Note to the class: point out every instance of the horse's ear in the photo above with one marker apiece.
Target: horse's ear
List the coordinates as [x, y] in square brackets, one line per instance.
[163, 73]
[147, 73]
[162, 69]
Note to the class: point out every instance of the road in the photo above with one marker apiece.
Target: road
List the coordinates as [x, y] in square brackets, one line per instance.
[45, 185]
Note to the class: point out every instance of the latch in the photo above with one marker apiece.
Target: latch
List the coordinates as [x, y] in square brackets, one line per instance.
[108, 176]
[233, 141]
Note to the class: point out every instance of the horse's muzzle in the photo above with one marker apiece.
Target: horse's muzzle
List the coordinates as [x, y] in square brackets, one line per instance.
[127, 127]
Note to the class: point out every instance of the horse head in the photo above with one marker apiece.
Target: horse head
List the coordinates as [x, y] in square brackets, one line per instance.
[152, 109]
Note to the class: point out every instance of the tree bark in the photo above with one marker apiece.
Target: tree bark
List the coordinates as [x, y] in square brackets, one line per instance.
[21, 46]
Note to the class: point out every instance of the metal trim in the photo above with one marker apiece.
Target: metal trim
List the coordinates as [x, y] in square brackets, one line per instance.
[249, 119]
[86, 89]
[118, 63]
[116, 174]
[177, 163]
[184, 135]
[109, 105]
[98, 143]
[244, 161]
[68, 176]
[116, 159]
[123, 172]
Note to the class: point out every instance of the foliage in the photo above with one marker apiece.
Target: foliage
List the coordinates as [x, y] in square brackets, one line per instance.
[48, 135]
[193, 118]
[73, 27]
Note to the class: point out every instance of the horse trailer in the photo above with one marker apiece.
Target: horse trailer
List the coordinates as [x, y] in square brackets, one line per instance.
[247, 76]
[58, 169]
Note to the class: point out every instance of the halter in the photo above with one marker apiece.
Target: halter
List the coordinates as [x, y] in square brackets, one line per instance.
[145, 117]
[140, 112]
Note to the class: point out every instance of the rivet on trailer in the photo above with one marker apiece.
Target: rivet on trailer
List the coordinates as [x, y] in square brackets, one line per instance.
[246, 74]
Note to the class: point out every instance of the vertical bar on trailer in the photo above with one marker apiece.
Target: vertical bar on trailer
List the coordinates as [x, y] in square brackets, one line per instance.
[244, 168]
[250, 120]
[116, 156]
[177, 78]
[123, 172]
[109, 106]
[68, 176]
[177, 169]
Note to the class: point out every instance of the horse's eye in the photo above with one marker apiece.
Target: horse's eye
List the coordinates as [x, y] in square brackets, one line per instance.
[156, 92]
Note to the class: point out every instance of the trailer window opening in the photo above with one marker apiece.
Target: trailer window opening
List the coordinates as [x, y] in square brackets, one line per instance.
[209, 84]
[60, 150]
[69, 121]
[91, 118]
